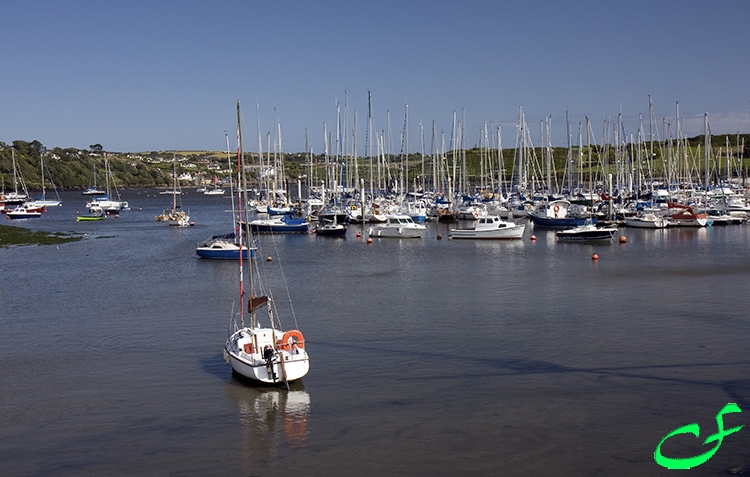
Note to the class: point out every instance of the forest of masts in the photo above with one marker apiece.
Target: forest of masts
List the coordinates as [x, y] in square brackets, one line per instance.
[637, 163]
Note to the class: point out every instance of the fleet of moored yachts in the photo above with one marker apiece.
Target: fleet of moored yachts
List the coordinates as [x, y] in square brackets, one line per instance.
[585, 217]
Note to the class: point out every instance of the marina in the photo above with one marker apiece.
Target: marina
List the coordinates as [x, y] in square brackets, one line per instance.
[480, 357]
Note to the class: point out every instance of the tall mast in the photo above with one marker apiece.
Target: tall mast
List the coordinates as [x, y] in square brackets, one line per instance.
[240, 188]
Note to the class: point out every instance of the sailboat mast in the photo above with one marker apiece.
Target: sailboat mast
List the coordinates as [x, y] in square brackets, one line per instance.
[174, 182]
[239, 212]
[15, 172]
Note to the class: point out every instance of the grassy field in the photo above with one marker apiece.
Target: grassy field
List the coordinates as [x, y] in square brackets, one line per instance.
[10, 235]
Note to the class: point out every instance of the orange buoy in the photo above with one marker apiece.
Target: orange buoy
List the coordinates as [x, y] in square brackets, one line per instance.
[595, 257]
[359, 234]
[192, 224]
[533, 237]
[117, 216]
[369, 240]
[269, 259]
[623, 239]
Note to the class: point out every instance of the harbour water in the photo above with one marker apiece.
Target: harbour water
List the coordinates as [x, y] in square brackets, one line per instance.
[428, 357]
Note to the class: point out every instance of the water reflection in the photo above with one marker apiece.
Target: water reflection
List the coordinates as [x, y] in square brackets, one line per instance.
[270, 418]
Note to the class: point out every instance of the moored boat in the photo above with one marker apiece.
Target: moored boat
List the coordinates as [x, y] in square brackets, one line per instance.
[397, 226]
[491, 227]
[223, 247]
[93, 215]
[330, 230]
[587, 232]
[23, 212]
[647, 221]
[283, 224]
[557, 215]
[687, 217]
[265, 354]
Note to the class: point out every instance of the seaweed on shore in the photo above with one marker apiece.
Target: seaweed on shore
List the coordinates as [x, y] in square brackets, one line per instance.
[11, 235]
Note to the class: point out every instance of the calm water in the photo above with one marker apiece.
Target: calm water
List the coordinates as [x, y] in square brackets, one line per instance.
[429, 357]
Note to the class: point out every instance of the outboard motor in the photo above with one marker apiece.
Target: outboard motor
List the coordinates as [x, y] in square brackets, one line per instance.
[268, 356]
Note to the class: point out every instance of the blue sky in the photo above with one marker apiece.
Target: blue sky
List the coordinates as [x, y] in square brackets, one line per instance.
[158, 75]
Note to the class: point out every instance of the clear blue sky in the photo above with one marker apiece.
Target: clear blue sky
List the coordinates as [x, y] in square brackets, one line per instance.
[160, 75]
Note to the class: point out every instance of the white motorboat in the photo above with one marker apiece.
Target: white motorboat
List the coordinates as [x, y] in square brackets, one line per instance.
[647, 221]
[490, 227]
[24, 212]
[397, 226]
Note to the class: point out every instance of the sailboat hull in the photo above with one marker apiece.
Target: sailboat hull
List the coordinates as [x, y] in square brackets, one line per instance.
[258, 371]
[244, 351]
[225, 251]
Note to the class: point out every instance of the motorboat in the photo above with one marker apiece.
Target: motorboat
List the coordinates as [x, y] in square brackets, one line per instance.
[283, 224]
[23, 212]
[647, 221]
[397, 226]
[330, 229]
[223, 247]
[214, 191]
[490, 227]
[557, 214]
[587, 232]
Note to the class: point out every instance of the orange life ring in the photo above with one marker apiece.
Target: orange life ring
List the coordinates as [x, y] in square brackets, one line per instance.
[291, 337]
[557, 208]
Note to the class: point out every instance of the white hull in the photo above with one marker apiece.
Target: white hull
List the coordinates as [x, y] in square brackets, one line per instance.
[244, 351]
[179, 222]
[648, 221]
[490, 228]
[397, 226]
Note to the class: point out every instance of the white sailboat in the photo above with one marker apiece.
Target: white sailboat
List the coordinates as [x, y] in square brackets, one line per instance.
[43, 201]
[263, 353]
[15, 197]
[104, 203]
[175, 216]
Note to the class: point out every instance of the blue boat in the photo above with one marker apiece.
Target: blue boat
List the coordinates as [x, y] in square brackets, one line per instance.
[284, 224]
[281, 210]
[223, 247]
[556, 215]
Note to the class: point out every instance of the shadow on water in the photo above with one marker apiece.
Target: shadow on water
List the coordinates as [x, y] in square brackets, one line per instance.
[216, 366]
[526, 367]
